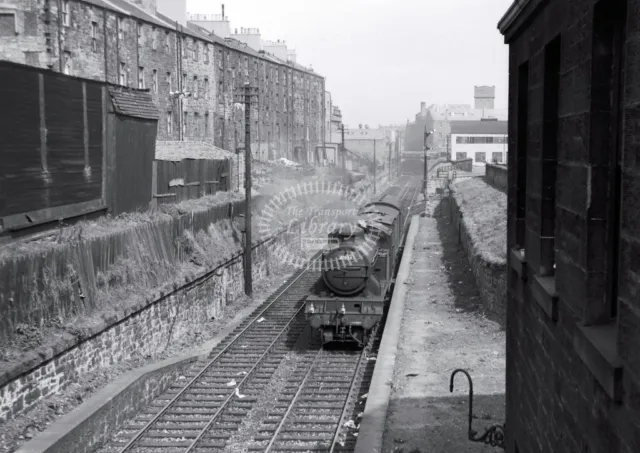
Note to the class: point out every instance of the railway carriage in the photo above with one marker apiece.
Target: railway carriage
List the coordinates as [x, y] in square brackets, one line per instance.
[349, 299]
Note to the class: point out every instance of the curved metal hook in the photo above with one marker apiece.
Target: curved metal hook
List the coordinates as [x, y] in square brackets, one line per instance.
[472, 433]
[494, 435]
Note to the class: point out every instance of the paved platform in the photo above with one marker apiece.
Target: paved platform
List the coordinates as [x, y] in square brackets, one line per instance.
[432, 330]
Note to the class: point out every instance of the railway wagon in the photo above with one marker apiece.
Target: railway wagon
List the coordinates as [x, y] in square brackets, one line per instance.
[348, 301]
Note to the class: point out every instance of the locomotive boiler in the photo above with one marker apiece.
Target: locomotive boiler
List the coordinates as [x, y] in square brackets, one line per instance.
[348, 301]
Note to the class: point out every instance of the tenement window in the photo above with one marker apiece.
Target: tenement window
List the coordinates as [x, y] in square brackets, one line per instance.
[67, 62]
[94, 36]
[120, 28]
[169, 124]
[141, 78]
[123, 74]
[481, 156]
[66, 17]
[155, 81]
[185, 117]
[521, 154]
[154, 37]
[461, 155]
[603, 224]
[549, 156]
[7, 24]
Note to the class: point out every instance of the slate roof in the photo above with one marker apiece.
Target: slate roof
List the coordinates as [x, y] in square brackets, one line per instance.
[479, 127]
[135, 103]
[192, 30]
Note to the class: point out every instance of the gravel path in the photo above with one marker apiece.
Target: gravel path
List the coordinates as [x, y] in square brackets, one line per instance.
[442, 329]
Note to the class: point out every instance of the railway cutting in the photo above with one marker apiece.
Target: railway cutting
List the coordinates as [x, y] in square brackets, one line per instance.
[275, 384]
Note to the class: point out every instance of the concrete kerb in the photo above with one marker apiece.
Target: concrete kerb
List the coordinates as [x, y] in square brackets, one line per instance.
[375, 411]
[92, 423]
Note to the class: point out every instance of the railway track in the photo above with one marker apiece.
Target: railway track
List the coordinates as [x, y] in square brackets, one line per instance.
[261, 389]
[201, 411]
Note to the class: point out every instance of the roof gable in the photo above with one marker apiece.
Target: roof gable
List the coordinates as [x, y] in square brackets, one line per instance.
[135, 103]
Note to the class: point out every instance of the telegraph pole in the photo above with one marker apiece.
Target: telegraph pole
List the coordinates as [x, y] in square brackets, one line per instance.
[389, 169]
[398, 159]
[375, 164]
[245, 96]
[426, 148]
[343, 149]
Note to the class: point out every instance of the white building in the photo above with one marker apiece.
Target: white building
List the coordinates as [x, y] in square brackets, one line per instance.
[483, 141]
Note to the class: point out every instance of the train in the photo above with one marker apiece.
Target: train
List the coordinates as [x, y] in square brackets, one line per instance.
[348, 300]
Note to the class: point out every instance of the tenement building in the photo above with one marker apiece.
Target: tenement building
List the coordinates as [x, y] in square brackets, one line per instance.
[192, 74]
[573, 362]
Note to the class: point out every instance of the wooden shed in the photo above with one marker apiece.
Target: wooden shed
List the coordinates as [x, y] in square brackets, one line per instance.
[132, 126]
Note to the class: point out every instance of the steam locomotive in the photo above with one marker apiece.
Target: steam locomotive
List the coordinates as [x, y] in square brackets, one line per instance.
[348, 300]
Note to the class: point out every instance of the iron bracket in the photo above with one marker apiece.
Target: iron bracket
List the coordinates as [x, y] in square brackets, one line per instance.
[494, 435]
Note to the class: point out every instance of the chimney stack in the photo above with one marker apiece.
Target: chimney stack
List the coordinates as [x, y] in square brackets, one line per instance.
[223, 11]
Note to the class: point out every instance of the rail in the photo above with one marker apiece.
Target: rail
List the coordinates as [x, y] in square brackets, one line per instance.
[211, 362]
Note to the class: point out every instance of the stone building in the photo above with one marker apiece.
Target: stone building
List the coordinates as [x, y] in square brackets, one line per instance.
[573, 318]
[191, 73]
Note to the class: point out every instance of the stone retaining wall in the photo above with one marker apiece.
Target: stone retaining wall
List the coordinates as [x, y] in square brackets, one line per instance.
[490, 277]
[144, 330]
[496, 176]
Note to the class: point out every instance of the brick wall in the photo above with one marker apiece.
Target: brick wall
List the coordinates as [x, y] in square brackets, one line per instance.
[490, 277]
[496, 176]
[97, 41]
[572, 375]
[146, 331]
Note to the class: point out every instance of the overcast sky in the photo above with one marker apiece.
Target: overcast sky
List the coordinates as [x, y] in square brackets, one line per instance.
[381, 58]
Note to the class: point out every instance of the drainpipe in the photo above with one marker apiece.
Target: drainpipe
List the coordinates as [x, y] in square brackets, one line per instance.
[106, 54]
[60, 25]
[179, 82]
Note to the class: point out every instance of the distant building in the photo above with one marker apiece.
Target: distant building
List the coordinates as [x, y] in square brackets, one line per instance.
[436, 119]
[366, 142]
[482, 141]
[440, 117]
[484, 97]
